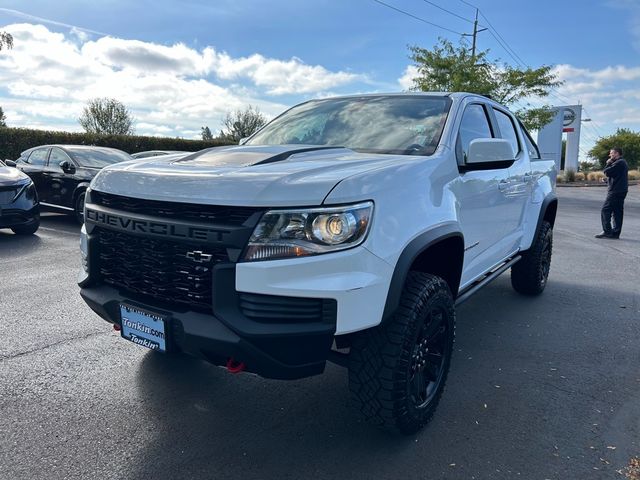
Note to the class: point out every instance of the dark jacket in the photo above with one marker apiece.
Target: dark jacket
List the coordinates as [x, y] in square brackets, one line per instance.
[617, 176]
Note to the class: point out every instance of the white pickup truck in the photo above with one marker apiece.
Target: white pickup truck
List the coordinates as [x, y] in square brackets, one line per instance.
[345, 230]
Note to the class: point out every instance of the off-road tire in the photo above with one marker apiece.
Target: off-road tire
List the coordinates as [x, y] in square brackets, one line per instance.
[27, 229]
[529, 276]
[384, 362]
[78, 207]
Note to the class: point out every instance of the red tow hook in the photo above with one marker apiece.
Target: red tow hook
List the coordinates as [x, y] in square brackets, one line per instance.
[117, 327]
[234, 366]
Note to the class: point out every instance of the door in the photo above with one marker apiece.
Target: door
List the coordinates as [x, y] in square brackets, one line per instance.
[481, 201]
[33, 166]
[61, 184]
[518, 191]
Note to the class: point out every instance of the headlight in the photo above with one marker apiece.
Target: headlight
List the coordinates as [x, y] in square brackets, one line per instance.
[29, 190]
[297, 233]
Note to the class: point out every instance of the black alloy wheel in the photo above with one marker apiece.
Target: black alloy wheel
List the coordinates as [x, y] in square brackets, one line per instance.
[426, 369]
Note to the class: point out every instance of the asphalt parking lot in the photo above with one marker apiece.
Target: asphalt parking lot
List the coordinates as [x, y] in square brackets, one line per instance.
[540, 388]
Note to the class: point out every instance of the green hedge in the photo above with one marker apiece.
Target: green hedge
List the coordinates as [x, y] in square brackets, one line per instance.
[14, 141]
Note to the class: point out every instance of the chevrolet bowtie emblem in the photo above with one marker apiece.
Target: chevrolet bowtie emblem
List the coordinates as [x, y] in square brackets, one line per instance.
[198, 256]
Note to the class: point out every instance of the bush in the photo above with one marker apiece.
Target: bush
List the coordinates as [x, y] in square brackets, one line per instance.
[570, 176]
[580, 177]
[634, 174]
[559, 179]
[14, 141]
[595, 176]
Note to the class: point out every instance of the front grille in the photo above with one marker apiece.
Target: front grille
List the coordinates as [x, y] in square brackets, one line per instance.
[279, 309]
[183, 211]
[7, 194]
[159, 269]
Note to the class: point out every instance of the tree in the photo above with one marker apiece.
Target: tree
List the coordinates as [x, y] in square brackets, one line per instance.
[624, 138]
[206, 134]
[106, 116]
[6, 40]
[3, 119]
[456, 69]
[242, 123]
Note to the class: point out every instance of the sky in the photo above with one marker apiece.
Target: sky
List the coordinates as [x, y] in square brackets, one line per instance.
[180, 65]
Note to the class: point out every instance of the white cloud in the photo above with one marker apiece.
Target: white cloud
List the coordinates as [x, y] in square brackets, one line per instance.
[406, 80]
[138, 56]
[171, 90]
[79, 33]
[281, 77]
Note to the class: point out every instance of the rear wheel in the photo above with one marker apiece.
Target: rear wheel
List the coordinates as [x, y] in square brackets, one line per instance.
[398, 370]
[529, 276]
[79, 208]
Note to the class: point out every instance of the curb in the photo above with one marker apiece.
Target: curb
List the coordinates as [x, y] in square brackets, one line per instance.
[580, 185]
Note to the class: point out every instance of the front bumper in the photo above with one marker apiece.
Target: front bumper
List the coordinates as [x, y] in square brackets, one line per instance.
[18, 218]
[22, 211]
[279, 351]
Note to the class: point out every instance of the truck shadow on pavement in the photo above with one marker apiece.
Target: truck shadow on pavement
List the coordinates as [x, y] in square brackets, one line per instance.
[207, 423]
[242, 426]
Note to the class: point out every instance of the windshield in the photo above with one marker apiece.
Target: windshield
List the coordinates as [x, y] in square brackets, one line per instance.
[98, 157]
[405, 125]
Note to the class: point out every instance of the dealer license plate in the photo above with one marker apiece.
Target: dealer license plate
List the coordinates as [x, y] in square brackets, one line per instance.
[143, 328]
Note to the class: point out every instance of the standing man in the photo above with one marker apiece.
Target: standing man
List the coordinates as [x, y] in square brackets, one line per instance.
[616, 171]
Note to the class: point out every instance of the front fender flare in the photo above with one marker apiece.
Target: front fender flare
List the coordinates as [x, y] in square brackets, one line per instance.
[408, 256]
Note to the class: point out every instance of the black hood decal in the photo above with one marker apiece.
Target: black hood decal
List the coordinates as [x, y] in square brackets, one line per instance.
[241, 156]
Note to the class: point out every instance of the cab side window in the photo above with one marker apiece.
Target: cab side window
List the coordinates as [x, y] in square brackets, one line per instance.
[38, 158]
[474, 124]
[532, 148]
[507, 130]
[57, 156]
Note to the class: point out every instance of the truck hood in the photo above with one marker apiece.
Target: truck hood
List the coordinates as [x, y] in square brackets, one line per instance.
[12, 176]
[282, 175]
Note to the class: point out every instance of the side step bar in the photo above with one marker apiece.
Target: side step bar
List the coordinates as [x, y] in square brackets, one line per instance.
[489, 277]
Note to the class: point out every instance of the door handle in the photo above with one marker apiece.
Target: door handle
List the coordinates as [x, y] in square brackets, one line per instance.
[502, 185]
[526, 178]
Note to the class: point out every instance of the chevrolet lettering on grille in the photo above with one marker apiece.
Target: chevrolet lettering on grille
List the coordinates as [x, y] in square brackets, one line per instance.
[156, 228]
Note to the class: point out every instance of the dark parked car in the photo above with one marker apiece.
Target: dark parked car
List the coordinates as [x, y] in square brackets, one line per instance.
[62, 173]
[18, 202]
[155, 153]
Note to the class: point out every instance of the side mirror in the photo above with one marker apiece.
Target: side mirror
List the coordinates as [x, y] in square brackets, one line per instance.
[67, 166]
[489, 150]
[10, 163]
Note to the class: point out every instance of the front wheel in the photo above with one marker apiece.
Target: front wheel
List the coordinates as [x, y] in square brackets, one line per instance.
[529, 276]
[397, 371]
[27, 229]
[79, 208]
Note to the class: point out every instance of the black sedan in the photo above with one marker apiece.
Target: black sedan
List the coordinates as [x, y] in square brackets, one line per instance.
[62, 173]
[18, 202]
